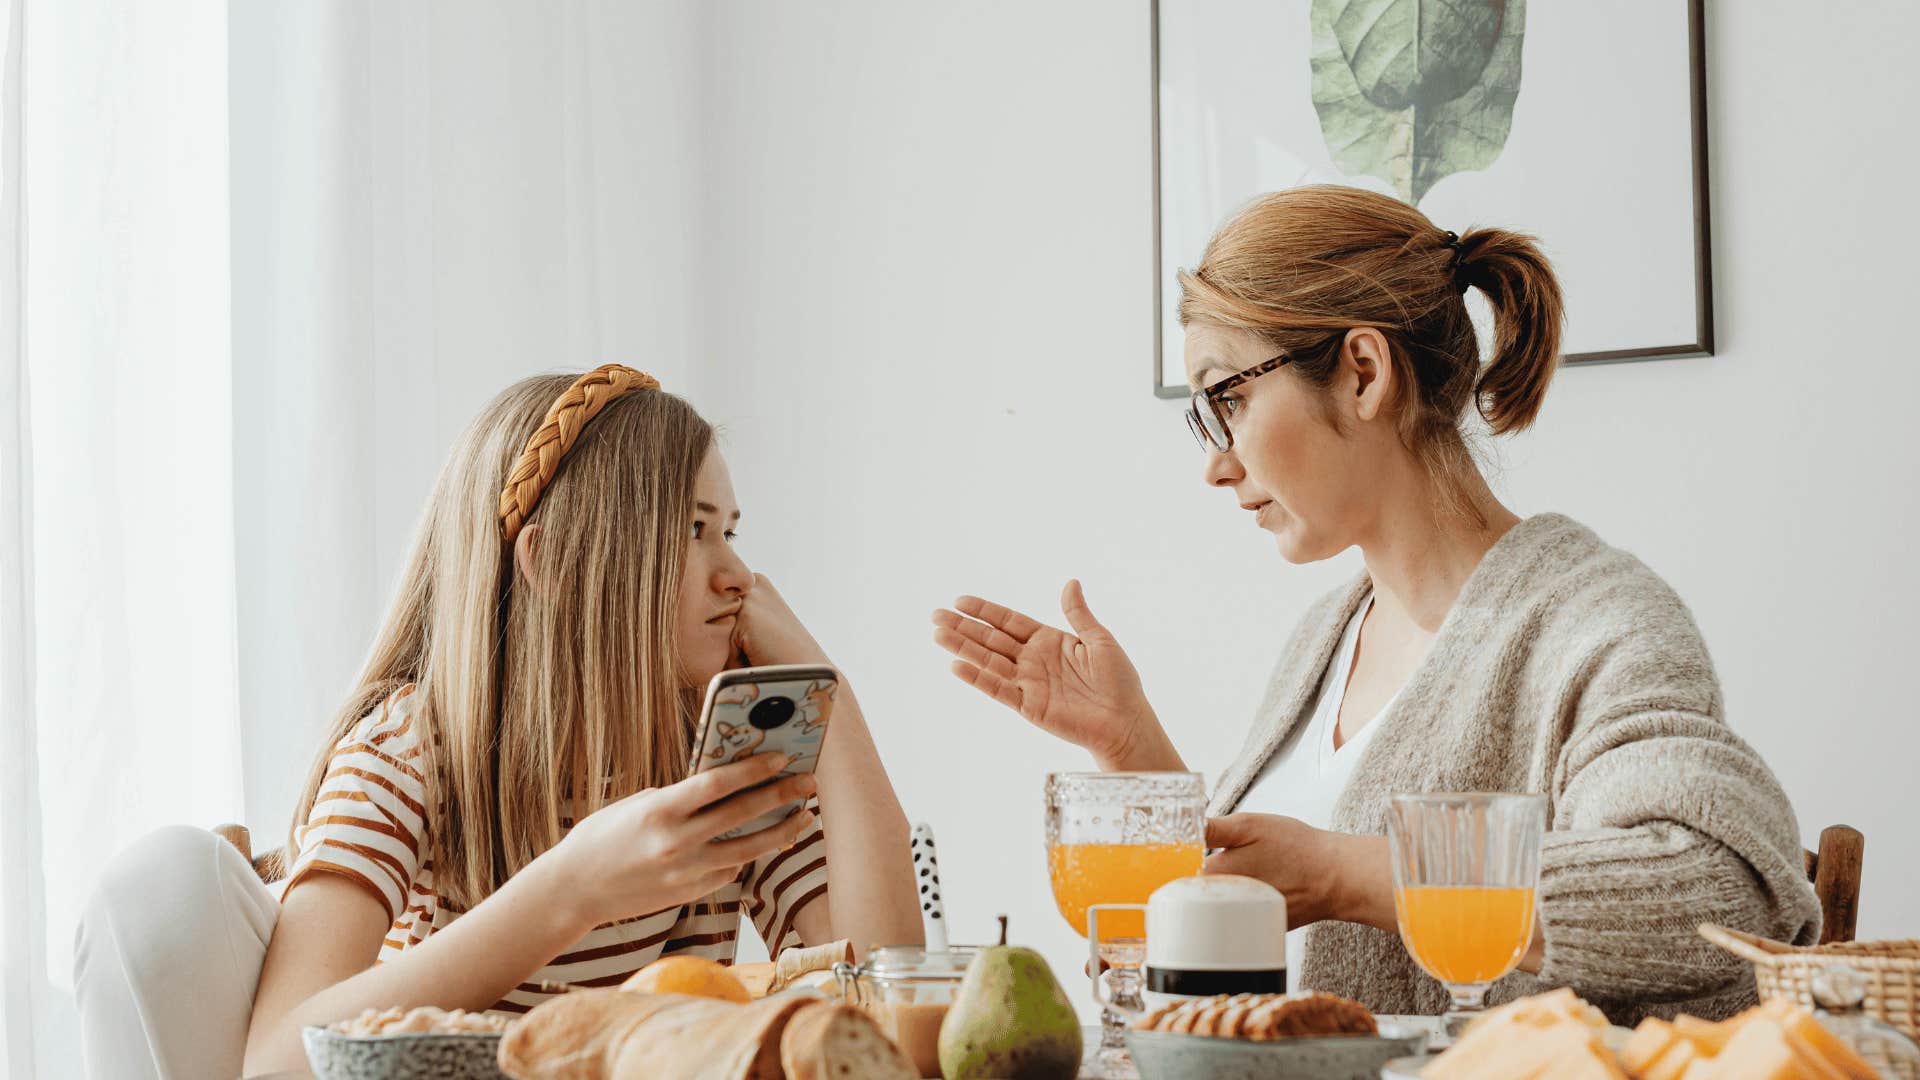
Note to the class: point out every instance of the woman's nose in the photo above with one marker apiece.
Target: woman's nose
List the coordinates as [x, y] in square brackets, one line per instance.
[1223, 469]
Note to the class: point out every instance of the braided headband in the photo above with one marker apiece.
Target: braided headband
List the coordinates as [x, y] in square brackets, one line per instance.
[565, 419]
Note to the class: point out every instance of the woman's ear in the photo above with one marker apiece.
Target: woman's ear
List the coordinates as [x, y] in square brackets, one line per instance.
[1370, 359]
[526, 551]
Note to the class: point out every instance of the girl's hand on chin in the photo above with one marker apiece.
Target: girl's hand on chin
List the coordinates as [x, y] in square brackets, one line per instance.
[768, 631]
[655, 849]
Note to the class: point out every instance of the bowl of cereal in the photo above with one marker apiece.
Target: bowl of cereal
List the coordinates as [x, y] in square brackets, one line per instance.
[407, 1044]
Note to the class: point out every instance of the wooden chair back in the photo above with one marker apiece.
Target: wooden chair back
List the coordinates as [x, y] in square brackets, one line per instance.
[270, 866]
[1835, 873]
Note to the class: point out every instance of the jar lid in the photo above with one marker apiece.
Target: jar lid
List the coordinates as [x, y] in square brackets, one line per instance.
[913, 962]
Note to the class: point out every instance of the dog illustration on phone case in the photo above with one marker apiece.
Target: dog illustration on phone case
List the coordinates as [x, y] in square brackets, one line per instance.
[820, 702]
[798, 713]
[736, 740]
[762, 711]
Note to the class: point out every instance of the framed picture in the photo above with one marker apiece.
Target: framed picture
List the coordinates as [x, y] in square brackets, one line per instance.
[1581, 124]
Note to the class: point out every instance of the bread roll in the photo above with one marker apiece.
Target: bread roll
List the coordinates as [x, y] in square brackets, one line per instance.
[706, 1040]
[574, 1036]
[757, 978]
[836, 1042]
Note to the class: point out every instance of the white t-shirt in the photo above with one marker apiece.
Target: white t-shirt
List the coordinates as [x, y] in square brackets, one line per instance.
[1304, 778]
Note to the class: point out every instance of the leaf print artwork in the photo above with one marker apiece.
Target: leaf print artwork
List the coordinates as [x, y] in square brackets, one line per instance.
[1413, 91]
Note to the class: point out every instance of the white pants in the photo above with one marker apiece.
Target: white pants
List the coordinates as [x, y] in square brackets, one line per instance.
[167, 958]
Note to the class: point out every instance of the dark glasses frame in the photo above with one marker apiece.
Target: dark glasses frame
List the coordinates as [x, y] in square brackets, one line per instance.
[1204, 419]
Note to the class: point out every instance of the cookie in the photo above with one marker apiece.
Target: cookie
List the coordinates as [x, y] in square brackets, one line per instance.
[1262, 1017]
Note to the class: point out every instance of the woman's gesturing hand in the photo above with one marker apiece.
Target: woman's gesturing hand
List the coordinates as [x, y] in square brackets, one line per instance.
[655, 849]
[1079, 686]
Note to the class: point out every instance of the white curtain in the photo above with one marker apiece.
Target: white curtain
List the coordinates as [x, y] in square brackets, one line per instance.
[263, 260]
[20, 917]
[122, 703]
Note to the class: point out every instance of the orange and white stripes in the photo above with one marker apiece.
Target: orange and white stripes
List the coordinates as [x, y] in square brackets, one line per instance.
[371, 810]
[367, 824]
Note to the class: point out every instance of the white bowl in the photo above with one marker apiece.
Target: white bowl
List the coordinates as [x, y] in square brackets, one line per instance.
[410, 1056]
[1167, 1055]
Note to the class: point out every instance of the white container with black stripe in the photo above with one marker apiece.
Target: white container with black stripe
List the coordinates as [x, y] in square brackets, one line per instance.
[1206, 935]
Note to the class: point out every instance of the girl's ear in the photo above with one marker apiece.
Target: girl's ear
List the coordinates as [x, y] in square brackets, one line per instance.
[526, 550]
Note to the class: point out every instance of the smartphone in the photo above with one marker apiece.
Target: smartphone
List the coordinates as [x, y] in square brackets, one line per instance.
[761, 710]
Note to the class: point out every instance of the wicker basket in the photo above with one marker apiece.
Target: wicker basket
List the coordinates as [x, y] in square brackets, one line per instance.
[1891, 969]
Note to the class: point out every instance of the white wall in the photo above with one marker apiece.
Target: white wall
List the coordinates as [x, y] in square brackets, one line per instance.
[927, 308]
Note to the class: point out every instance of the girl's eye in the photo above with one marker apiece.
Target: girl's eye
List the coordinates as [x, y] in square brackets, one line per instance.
[699, 527]
[732, 536]
[1229, 404]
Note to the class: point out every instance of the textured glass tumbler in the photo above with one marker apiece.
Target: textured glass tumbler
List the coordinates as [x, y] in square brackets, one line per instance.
[1113, 838]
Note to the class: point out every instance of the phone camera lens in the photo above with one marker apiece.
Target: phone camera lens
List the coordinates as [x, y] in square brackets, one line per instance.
[771, 713]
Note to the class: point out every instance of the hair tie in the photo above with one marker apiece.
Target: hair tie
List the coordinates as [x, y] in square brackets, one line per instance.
[557, 433]
[1452, 242]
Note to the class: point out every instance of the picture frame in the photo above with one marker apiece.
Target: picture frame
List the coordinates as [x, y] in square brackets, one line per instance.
[1626, 222]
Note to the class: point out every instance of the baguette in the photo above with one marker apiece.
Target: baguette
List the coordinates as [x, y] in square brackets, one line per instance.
[836, 1042]
[793, 963]
[573, 1037]
[706, 1040]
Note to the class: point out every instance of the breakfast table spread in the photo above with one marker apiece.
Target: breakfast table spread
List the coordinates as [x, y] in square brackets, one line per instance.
[1191, 975]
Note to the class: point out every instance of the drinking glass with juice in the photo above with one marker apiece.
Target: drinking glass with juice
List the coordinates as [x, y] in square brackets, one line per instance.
[1113, 838]
[1465, 867]
[1087, 874]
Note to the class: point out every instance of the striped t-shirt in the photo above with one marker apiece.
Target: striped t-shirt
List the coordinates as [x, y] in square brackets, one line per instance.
[367, 823]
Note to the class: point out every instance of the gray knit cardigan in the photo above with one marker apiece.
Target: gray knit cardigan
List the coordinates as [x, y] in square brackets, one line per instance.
[1569, 668]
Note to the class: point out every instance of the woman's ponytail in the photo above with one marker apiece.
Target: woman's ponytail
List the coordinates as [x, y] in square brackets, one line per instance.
[1527, 313]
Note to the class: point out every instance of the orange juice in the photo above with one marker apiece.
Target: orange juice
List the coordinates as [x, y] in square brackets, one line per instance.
[1465, 934]
[1088, 874]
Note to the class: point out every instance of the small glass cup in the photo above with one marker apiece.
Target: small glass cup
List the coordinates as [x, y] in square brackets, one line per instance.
[1465, 869]
[907, 991]
[1113, 838]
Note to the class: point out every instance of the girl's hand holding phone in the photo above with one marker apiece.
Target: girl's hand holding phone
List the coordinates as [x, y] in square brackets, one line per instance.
[770, 633]
[655, 850]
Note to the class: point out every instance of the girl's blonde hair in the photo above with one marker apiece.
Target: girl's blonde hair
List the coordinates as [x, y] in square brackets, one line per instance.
[541, 702]
[1303, 266]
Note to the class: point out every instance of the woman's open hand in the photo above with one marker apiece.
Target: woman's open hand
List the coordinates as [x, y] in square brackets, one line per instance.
[655, 849]
[1079, 686]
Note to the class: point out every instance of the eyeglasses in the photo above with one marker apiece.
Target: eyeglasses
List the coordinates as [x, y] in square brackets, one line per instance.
[1204, 417]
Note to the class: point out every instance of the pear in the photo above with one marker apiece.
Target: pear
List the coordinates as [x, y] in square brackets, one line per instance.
[1010, 1020]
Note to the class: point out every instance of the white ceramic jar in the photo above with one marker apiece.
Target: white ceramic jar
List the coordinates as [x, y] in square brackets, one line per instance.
[1206, 935]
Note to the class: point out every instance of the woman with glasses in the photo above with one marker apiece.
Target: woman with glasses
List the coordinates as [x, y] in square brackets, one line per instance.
[1337, 384]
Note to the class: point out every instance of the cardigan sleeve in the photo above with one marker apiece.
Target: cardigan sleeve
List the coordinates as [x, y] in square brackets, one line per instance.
[1664, 819]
